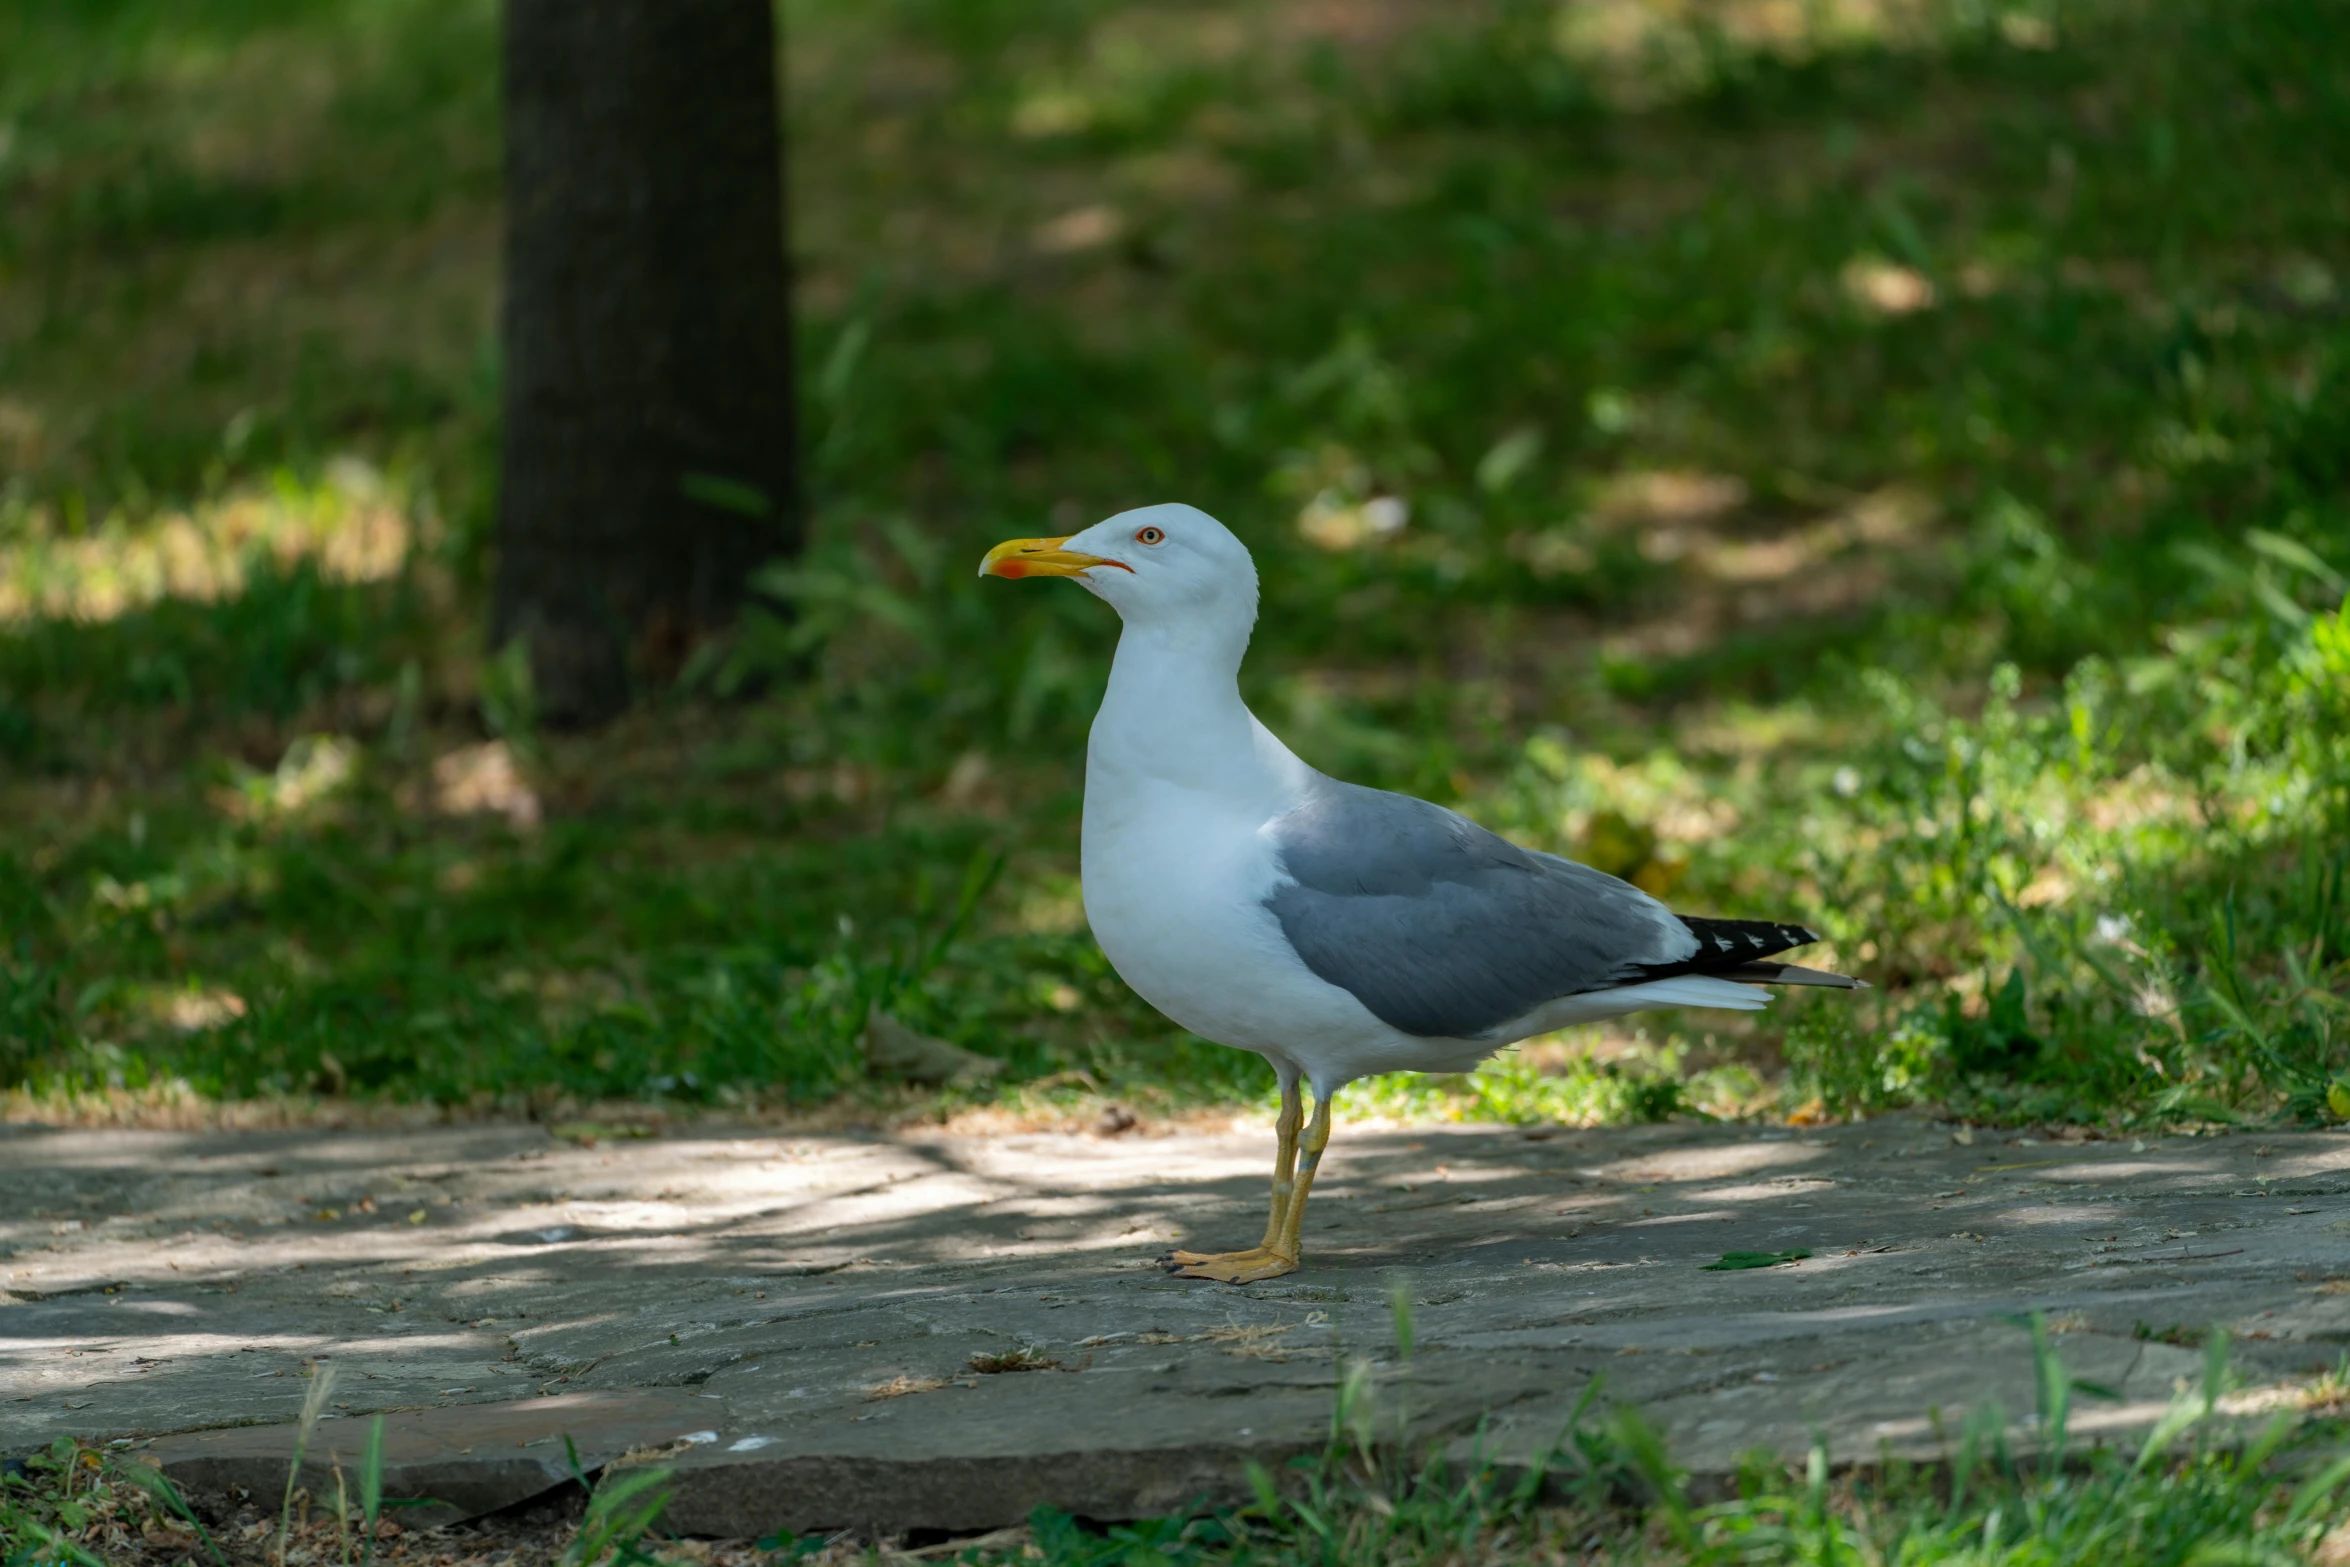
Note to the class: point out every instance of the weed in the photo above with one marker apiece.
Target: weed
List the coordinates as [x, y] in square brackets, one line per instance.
[156, 1484]
[314, 1397]
[47, 1500]
[371, 1488]
[623, 1505]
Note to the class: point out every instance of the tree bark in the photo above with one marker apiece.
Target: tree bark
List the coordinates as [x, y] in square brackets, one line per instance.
[648, 462]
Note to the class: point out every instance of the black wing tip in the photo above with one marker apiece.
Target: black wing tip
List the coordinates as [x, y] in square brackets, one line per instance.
[1756, 939]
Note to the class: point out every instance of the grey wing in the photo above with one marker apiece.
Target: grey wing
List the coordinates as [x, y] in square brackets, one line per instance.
[1445, 930]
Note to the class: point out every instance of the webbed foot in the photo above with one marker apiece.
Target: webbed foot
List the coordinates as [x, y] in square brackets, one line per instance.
[1229, 1267]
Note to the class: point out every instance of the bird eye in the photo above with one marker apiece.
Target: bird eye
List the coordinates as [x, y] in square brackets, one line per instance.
[1149, 536]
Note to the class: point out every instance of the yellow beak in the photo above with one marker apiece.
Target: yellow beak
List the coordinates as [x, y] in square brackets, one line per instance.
[1041, 558]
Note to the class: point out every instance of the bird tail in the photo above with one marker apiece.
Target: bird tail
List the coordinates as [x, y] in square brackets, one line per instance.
[1741, 950]
[1789, 974]
[1693, 990]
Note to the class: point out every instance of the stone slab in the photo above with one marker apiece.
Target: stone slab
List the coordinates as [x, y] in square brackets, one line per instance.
[462, 1460]
[794, 1320]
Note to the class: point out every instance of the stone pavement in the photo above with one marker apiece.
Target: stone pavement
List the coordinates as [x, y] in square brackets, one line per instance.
[924, 1330]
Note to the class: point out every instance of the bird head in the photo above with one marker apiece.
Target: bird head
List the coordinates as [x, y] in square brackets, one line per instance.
[1171, 563]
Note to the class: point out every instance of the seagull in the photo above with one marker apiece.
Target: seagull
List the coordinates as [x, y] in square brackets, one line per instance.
[1335, 930]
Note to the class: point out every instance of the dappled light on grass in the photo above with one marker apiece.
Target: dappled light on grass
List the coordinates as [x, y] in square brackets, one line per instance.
[347, 525]
[1870, 462]
[1886, 288]
[1648, 52]
[1538, 1082]
[484, 779]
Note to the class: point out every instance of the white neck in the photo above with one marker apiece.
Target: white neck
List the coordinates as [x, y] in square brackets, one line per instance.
[1173, 715]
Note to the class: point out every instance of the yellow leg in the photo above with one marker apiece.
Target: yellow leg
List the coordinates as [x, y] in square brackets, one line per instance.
[1278, 1253]
[1293, 1114]
[1310, 1160]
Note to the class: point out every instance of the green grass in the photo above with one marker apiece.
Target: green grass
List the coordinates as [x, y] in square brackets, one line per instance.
[2197, 1489]
[1890, 474]
[2202, 1486]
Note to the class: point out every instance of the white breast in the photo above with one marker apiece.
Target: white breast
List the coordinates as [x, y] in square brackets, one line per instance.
[1182, 785]
[1175, 882]
[1175, 886]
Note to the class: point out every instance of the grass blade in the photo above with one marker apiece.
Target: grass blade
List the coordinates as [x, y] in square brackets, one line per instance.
[618, 1515]
[2055, 1392]
[371, 1485]
[158, 1485]
[322, 1386]
[2215, 1370]
[2317, 1492]
[2183, 1412]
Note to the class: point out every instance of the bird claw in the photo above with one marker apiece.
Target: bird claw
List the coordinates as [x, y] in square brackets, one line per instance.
[1229, 1267]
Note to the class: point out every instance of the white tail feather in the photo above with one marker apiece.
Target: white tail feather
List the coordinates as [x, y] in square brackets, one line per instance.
[1694, 990]
[1685, 990]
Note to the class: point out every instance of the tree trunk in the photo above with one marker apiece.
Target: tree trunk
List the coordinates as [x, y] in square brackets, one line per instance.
[648, 442]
